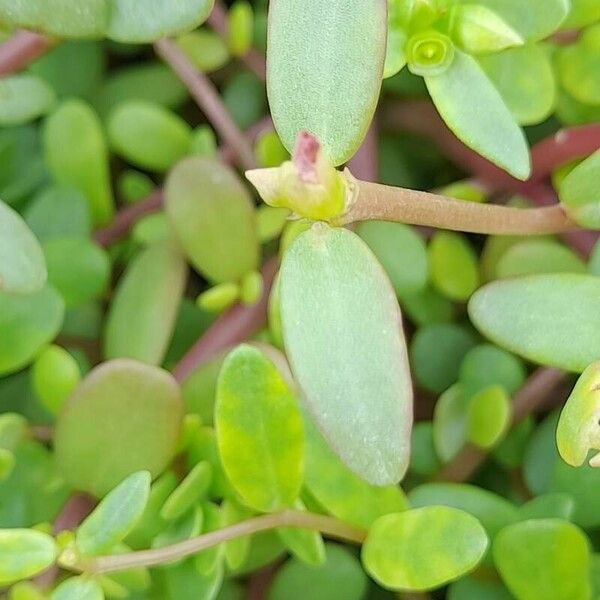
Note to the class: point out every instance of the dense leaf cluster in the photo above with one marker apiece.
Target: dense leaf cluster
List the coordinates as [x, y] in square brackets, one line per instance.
[205, 397]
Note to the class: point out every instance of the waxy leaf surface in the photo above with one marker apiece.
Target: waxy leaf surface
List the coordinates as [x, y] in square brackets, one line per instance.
[549, 319]
[324, 68]
[144, 309]
[129, 410]
[476, 113]
[343, 335]
[23, 553]
[22, 265]
[259, 431]
[213, 217]
[423, 548]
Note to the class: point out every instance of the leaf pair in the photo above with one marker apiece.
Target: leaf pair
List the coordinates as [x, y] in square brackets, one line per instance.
[119, 20]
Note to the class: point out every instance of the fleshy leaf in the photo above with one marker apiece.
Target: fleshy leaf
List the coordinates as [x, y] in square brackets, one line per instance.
[142, 315]
[463, 91]
[62, 18]
[479, 29]
[342, 493]
[115, 517]
[24, 98]
[78, 588]
[488, 416]
[579, 66]
[77, 268]
[148, 135]
[214, 219]
[132, 411]
[544, 558]
[423, 548]
[493, 511]
[22, 264]
[578, 430]
[549, 319]
[401, 252]
[579, 193]
[23, 553]
[529, 99]
[535, 19]
[365, 411]
[259, 431]
[27, 323]
[135, 21]
[76, 154]
[305, 93]
[339, 577]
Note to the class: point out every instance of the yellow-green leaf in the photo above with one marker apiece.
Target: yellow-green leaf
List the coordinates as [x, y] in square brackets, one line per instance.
[350, 362]
[259, 431]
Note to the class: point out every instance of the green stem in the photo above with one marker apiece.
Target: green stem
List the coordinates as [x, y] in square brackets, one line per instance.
[289, 518]
[381, 202]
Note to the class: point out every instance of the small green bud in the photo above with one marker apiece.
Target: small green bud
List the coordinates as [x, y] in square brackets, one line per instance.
[429, 53]
[219, 298]
[251, 288]
[309, 185]
[578, 428]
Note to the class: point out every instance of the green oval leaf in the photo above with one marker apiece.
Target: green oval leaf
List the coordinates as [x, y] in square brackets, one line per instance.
[27, 323]
[305, 91]
[54, 375]
[544, 558]
[188, 492]
[530, 99]
[365, 409]
[454, 268]
[401, 252]
[78, 588]
[148, 135]
[450, 422]
[539, 256]
[464, 90]
[142, 315]
[62, 18]
[549, 319]
[578, 431]
[423, 548]
[578, 66]
[214, 219]
[259, 431]
[488, 416]
[342, 493]
[136, 21]
[132, 412]
[23, 553]
[115, 517]
[339, 577]
[493, 511]
[579, 194]
[77, 268]
[59, 211]
[24, 98]
[22, 264]
[535, 19]
[76, 154]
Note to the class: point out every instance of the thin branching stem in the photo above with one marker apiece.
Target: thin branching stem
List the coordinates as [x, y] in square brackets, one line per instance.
[207, 97]
[147, 558]
[380, 202]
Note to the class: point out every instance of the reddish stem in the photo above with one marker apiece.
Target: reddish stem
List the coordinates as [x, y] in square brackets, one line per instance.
[23, 48]
[231, 328]
[207, 97]
[220, 23]
[125, 219]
